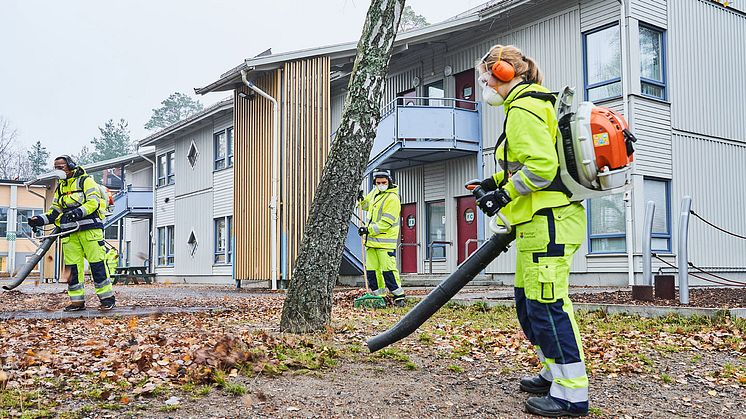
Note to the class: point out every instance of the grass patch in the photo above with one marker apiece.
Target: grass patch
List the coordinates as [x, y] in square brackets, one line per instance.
[666, 378]
[425, 338]
[410, 366]
[696, 358]
[455, 368]
[393, 354]
[169, 408]
[595, 411]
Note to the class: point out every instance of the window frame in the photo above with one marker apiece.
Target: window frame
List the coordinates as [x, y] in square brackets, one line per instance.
[663, 85]
[584, 48]
[169, 161]
[21, 225]
[226, 162]
[116, 224]
[669, 224]
[227, 252]
[427, 232]
[165, 246]
[5, 222]
[591, 236]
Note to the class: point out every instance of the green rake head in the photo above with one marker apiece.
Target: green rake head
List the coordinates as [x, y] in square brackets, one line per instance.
[370, 301]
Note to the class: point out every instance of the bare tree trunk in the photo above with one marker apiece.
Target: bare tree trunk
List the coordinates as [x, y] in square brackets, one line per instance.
[308, 305]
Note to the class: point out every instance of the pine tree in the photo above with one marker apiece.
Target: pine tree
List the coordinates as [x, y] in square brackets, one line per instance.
[38, 158]
[175, 108]
[113, 142]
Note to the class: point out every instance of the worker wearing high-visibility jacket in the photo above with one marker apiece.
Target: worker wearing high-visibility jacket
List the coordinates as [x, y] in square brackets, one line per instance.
[381, 236]
[78, 206]
[549, 228]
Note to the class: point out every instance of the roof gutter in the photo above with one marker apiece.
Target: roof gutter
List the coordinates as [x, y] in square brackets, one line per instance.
[275, 174]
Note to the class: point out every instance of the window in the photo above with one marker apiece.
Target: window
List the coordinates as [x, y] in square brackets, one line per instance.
[112, 232]
[659, 192]
[223, 144]
[436, 228]
[607, 224]
[166, 246]
[3, 222]
[192, 242]
[22, 228]
[652, 67]
[603, 63]
[166, 163]
[223, 243]
[192, 154]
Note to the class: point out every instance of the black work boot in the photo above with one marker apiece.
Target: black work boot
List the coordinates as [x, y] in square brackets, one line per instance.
[399, 302]
[548, 406]
[535, 384]
[76, 306]
[107, 304]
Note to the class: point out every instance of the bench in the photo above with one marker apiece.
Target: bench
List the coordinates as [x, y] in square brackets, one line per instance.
[134, 274]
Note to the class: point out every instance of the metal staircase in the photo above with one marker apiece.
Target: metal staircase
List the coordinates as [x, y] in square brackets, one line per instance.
[135, 202]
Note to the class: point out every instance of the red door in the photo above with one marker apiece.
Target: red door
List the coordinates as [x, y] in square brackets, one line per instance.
[466, 207]
[406, 97]
[409, 235]
[465, 89]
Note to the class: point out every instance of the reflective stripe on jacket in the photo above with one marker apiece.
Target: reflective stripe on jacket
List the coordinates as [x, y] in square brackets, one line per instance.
[531, 131]
[384, 210]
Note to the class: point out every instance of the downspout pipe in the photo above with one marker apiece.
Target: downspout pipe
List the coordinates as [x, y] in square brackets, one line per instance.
[629, 201]
[273, 204]
[151, 242]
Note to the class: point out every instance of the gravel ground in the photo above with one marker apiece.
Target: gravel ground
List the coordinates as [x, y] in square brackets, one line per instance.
[698, 297]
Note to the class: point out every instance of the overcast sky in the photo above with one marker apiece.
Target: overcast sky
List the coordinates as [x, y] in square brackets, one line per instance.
[66, 67]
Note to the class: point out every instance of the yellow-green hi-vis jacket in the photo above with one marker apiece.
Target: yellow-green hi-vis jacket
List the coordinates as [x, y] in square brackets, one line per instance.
[384, 210]
[80, 191]
[531, 131]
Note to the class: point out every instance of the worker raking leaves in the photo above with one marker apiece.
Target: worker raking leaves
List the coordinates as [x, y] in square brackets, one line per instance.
[381, 236]
[78, 210]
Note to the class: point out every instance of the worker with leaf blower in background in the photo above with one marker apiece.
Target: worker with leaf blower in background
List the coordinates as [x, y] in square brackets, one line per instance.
[381, 234]
[549, 228]
[79, 206]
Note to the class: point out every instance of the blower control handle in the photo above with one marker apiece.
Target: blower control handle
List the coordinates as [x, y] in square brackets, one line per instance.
[475, 186]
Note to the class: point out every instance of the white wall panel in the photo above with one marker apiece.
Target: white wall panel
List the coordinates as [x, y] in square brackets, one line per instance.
[198, 177]
[194, 214]
[223, 193]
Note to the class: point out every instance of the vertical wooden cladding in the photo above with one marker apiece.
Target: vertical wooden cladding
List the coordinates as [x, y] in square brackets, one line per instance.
[252, 173]
[306, 130]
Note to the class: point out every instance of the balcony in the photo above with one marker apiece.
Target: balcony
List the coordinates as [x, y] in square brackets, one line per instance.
[135, 202]
[425, 130]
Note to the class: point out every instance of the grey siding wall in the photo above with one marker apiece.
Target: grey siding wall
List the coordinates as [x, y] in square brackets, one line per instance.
[190, 179]
[139, 232]
[712, 109]
[223, 122]
[164, 211]
[435, 181]
[713, 197]
[595, 13]
[401, 81]
[223, 193]
[651, 123]
[652, 12]
[194, 213]
[337, 105]
[410, 181]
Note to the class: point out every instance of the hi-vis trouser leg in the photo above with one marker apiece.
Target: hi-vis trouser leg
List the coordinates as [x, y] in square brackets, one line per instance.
[545, 247]
[382, 272]
[78, 247]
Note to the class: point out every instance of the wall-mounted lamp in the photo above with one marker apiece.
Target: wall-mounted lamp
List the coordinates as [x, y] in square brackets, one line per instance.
[447, 71]
[247, 96]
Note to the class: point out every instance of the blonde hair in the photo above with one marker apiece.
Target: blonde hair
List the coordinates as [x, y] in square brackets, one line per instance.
[525, 67]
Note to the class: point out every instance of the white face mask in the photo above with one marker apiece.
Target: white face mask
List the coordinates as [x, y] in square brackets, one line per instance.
[491, 97]
[489, 94]
[382, 187]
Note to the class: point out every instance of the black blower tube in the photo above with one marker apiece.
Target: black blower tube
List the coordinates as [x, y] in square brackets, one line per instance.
[443, 292]
[22, 273]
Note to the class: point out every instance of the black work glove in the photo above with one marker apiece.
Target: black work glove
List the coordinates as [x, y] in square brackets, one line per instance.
[360, 195]
[362, 231]
[72, 215]
[35, 221]
[489, 184]
[491, 202]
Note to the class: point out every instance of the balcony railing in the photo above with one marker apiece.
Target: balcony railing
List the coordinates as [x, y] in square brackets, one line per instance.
[428, 123]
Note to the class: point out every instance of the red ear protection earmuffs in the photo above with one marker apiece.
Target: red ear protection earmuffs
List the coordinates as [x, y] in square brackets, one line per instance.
[502, 70]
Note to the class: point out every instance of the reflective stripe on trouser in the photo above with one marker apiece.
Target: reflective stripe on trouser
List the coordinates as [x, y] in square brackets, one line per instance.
[78, 247]
[382, 272]
[544, 309]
